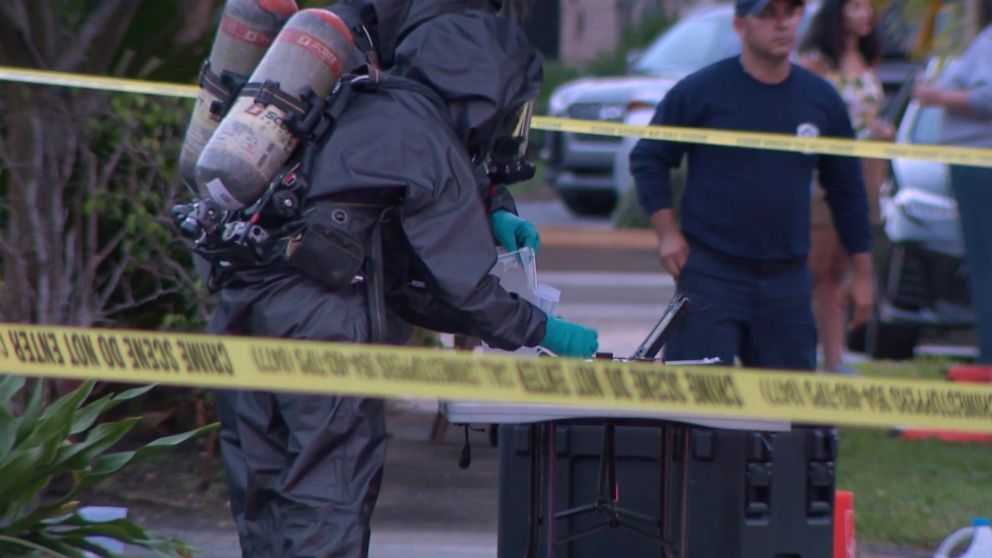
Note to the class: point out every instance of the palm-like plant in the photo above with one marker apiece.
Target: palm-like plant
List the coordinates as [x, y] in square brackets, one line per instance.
[61, 450]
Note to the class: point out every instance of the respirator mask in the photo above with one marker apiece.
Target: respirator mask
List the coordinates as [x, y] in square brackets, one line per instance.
[508, 161]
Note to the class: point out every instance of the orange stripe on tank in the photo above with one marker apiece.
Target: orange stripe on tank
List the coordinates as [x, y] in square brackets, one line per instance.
[333, 20]
[314, 46]
[244, 33]
[280, 7]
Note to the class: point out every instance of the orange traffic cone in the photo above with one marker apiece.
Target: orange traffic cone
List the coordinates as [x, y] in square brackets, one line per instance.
[845, 545]
[970, 373]
[966, 373]
[946, 436]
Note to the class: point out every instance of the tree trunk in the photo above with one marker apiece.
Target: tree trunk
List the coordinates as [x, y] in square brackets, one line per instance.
[81, 236]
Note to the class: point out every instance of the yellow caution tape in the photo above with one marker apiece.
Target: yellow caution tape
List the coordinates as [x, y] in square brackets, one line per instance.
[306, 366]
[970, 156]
[65, 79]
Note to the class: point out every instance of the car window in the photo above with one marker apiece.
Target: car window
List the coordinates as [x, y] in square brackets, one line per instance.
[691, 44]
[926, 129]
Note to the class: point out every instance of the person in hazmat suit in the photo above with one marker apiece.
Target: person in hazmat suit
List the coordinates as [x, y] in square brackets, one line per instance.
[377, 26]
[393, 226]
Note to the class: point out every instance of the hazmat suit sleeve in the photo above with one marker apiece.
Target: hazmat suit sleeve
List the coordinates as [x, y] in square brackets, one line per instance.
[501, 199]
[496, 197]
[447, 228]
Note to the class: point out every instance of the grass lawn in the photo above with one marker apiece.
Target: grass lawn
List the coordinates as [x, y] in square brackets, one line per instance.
[912, 493]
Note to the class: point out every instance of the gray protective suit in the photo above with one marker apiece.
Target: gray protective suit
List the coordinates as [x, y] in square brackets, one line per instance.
[395, 182]
[388, 22]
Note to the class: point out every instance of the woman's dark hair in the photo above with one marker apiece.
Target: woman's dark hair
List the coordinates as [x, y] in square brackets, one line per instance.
[986, 15]
[826, 35]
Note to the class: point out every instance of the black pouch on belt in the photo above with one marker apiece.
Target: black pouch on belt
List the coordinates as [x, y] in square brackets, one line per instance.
[329, 256]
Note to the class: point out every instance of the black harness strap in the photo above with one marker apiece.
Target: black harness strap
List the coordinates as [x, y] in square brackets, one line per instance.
[252, 237]
[225, 86]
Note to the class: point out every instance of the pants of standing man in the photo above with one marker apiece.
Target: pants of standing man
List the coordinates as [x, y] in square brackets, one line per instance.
[758, 312]
[312, 472]
[973, 190]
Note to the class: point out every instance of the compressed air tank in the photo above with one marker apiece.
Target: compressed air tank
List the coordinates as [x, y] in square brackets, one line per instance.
[252, 141]
[247, 28]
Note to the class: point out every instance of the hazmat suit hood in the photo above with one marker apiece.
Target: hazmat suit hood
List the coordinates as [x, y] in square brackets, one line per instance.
[388, 21]
[481, 65]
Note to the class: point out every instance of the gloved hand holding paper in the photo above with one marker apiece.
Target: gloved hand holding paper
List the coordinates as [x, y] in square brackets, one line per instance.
[570, 339]
[514, 232]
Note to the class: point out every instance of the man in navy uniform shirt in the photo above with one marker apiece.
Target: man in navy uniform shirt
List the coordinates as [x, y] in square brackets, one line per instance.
[738, 249]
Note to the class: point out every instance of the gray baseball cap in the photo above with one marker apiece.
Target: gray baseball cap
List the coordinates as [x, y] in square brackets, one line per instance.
[755, 7]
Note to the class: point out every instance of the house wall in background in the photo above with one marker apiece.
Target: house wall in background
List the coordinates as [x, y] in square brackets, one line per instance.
[589, 27]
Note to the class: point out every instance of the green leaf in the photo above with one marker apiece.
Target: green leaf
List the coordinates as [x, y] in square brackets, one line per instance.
[72, 400]
[10, 425]
[51, 513]
[101, 438]
[123, 530]
[74, 529]
[51, 430]
[134, 393]
[9, 386]
[88, 415]
[33, 409]
[109, 464]
[53, 542]
[27, 499]
[8, 432]
[16, 471]
[18, 542]
[158, 446]
[90, 547]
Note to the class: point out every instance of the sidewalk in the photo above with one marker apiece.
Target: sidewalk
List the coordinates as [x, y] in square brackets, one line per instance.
[429, 508]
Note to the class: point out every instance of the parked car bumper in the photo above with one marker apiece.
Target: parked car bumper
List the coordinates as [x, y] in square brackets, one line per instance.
[580, 166]
[581, 170]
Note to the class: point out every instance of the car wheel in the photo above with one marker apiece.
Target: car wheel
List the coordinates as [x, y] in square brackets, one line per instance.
[890, 341]
[856, 339]
[882, 339]
[593, 204]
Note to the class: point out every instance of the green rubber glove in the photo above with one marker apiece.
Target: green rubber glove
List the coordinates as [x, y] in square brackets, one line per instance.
[513, 232]
[565, 338]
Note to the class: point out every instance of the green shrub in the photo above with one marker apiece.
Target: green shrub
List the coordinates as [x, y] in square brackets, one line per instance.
[59, 451]
[555, 75]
